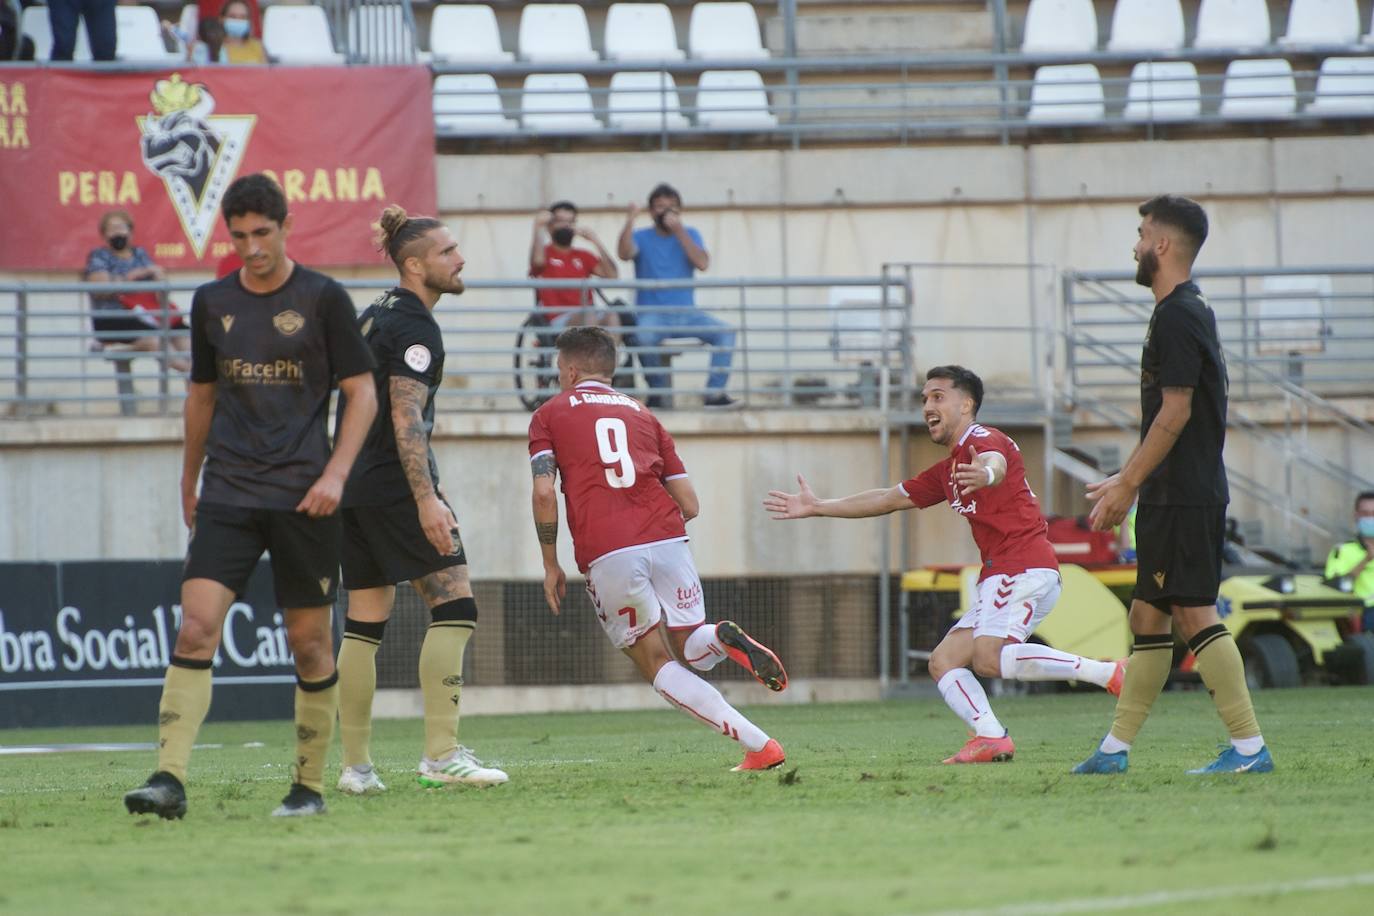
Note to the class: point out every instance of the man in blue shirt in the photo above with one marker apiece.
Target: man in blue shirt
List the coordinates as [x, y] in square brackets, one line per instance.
[671, 250]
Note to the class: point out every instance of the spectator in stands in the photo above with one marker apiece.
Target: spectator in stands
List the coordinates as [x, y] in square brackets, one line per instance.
[130, 319]
[1353, 557]
[64, 17]
[211, 9]
[240, 46]
[672, 250]
[14, 45]
[553, 257]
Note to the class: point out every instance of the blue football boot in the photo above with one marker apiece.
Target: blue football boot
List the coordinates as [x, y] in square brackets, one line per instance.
[1231, 760]
[1103, 763]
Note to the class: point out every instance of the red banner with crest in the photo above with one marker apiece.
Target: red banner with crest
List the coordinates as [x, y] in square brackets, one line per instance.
[343, 142]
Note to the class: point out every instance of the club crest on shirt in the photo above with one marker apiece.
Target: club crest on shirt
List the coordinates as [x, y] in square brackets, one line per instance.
[1159, 579]
[227, 321]
[417, 357]
[366, 328]
[288, 322]
[324, 585]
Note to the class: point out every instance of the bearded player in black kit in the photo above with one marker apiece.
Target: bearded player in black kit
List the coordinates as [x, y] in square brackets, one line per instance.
[397, 525]
[267, 343]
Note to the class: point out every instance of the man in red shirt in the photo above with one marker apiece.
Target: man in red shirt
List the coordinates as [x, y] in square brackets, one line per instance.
[984, 480]
[557, 259]
[628, 499]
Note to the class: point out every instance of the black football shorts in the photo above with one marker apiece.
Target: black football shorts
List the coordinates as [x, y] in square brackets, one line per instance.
[227, 542]
[1178, 555]
[384, 545]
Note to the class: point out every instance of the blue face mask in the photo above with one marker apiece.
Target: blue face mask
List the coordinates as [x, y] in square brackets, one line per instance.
[237, 28]
[1365, 526]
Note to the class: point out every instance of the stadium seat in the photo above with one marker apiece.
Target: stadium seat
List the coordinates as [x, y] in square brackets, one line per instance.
[35, 24]
[1345, 86]
[1146, 25]
[641, 31]
[469, 103]
[298, 35]
[1294, 319]
[467, 33]
[1163, 91]
[189, 21]
[555, 32]
[1060, 25]
[1232, 24]
[557, 101]
[1259, 89]
[380, 32]
[725, 31]
[638, 101]
[1070, 92]
[733, 98]
[138, 35]
[1322, 22]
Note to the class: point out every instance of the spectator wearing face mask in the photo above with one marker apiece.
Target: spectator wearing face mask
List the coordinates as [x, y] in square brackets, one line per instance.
[131, 318]
[553, 257]
[1353, 557]
[240, 46]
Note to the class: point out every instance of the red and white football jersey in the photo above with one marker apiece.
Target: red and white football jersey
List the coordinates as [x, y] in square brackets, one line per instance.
[1007, 523]
[613, 457]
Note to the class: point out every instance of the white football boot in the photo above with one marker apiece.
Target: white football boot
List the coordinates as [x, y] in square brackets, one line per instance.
[360, 780]
[459, 767]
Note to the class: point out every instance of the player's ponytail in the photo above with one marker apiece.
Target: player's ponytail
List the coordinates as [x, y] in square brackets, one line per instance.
[396, 230]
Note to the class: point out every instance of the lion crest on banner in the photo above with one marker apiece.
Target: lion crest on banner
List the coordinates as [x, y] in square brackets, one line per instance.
[195, 152]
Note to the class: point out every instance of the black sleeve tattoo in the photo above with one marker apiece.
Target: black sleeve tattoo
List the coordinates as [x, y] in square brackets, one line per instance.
[547, 531]
[544, 466]
[412, 445]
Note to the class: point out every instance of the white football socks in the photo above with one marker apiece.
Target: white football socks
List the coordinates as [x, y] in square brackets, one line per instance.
[704, 703]
[965, 696]
[1113, 745]
[703, 651]
[1032, 662]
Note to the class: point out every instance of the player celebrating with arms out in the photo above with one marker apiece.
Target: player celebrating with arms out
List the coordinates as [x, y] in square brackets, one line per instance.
[629, 499]
[397, 525]
[984, 480]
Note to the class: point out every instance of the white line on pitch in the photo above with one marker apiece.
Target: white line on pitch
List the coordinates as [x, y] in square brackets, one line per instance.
[1161, 898]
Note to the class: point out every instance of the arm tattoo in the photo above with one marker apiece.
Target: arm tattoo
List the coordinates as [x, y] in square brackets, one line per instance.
[547, 531]
[412, 445]
[544, 466]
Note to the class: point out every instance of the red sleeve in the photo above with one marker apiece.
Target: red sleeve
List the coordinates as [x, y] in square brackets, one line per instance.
[593, 261]
[541, 440]
[926, 488]
[991, 440]
[667, 450]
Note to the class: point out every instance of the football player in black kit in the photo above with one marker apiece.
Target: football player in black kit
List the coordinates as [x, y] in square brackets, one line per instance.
[267, 343]
[397, 525]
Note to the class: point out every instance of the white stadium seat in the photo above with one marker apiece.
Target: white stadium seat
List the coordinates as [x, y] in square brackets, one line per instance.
[1294, 320]
[1345, 86]
[1163, 91]
[1066, 93]
[1259, 89]
[558, 102]
[380, 31]
[725, 31]
[189, 21]
[1060, 25]
[1232, 24]
[35, 24]
[1322, 22]
[555, 32]
[469, 102]
[733, 98]
[644, 101]
[466, 32]
[138, 35]
[641, 31]
[1146, 25]
[298, 35]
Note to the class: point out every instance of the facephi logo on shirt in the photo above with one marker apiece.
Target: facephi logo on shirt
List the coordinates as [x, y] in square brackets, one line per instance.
[227, 321]
[417, 357]
[288, 322]
[196, 154]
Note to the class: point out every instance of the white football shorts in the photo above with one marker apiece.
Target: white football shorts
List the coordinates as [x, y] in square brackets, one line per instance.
[1011, 607]
[632, 590]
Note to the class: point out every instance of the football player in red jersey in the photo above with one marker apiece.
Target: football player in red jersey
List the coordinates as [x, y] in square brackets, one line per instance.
[628, 499]
[984, 480]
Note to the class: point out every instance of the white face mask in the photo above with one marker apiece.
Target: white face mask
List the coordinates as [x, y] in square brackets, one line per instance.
[1365, 526]
[237, 28]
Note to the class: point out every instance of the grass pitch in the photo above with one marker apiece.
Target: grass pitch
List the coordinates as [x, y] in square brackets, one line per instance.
[636, 813]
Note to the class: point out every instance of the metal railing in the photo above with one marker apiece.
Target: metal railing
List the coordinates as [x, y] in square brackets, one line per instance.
[812, 343]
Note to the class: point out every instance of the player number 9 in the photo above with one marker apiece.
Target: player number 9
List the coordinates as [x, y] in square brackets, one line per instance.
[615, 450]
